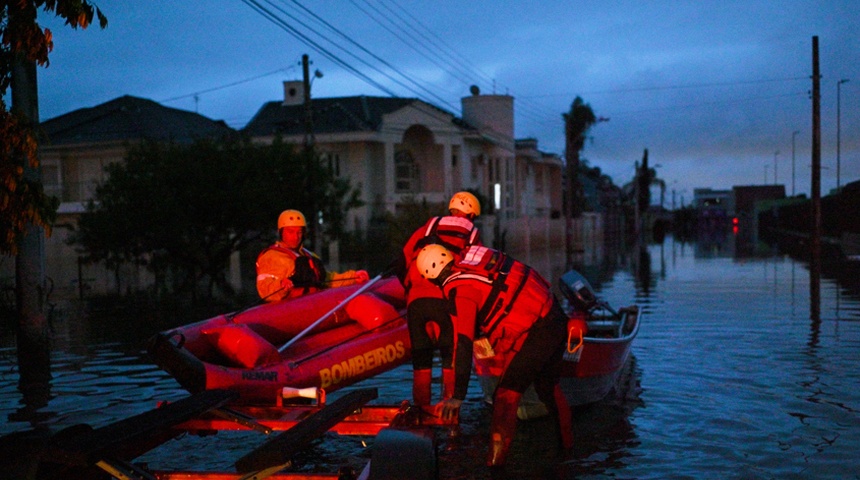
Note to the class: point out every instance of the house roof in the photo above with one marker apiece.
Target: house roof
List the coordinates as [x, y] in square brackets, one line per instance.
[330, 115]
[131, 118]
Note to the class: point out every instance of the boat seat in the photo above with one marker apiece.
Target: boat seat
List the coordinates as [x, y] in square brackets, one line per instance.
[370, 311]
[241, 345]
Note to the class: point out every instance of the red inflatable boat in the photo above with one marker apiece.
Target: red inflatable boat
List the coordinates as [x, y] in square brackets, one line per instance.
[328, 340]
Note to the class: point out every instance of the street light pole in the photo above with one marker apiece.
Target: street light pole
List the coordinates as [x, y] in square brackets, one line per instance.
[793, 134]
[838, 128]
[775, 154]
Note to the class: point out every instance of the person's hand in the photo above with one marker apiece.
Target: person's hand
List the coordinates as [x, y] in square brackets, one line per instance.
[449, 408]
[361, 276]
[286, 284]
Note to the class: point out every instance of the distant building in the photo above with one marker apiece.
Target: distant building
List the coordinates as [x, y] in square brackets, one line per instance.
[713, 207]
[748, 200]
[399, 149]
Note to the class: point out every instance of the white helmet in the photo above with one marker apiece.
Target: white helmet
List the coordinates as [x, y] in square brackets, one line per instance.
[466, 203]
[432, 259]
[291, 218]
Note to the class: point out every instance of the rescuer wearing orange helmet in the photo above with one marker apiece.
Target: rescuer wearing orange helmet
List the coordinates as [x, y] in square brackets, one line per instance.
[502, 307]
[287, 269]
[427, 311]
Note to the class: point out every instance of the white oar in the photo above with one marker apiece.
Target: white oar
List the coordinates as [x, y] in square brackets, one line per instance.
[336, 308]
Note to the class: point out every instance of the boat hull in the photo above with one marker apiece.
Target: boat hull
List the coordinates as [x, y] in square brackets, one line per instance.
[589, 374]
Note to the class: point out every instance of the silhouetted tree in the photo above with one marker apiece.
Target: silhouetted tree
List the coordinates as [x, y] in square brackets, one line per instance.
[182, 210]
[577, 122]
[24, 41]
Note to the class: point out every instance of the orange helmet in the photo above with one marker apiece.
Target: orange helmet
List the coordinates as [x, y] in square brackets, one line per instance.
[466, 203]
[291, 218]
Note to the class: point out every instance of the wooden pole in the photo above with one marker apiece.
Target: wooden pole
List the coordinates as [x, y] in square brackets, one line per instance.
[309, 146]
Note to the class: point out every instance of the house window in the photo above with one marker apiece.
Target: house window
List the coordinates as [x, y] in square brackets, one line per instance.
[333, 163]
[538, 178]
[477, 161]
[405, 173]
[51, 180]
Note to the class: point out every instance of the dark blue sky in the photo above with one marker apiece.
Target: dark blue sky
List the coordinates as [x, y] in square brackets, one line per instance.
[713, 89]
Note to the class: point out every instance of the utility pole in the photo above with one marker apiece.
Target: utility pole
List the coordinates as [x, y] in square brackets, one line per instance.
[815, 260]
[34, 346]
[793, 134]
[309, 114]
[310, 158]
[775, 155]
[838, 129]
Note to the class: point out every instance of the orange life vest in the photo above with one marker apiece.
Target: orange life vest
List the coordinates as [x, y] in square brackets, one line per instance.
[309, 275]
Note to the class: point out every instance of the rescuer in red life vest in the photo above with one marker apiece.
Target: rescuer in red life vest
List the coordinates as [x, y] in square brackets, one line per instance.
[501, 306]
[287, 269]
[427, 311]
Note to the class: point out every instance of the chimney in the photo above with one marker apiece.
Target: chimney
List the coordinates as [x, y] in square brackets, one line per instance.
[294, 93]
[490, 112]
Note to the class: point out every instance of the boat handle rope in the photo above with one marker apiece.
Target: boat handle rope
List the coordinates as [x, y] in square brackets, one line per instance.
[570, 337]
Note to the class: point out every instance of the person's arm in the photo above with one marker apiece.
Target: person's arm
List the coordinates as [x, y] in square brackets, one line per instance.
[465, 302]
[476, 239]
[349, 277]
[273, 276]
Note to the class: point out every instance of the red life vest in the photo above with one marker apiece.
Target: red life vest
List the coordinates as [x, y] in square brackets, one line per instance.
[515, 295]
[454, 233]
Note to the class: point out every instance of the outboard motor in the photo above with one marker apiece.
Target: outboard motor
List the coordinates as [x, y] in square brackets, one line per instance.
[578, 291]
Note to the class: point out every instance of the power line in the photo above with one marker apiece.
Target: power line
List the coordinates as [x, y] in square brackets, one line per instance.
[450, 51]
[371, 54]
[719, 102]
[408, 38]
[319, 48]
[233, 84]
[526, 108]
[676, 87]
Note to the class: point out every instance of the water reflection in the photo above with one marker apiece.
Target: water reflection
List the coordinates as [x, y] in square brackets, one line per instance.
[606, 437]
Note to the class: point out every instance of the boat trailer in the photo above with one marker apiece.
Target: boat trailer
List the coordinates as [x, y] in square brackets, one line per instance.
[403, 446]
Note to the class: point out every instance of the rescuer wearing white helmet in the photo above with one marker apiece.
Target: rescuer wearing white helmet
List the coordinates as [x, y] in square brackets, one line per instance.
[287, 269]
[426, 311]
[505, 311]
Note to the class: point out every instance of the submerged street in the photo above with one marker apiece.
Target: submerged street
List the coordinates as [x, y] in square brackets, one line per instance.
[729, 377]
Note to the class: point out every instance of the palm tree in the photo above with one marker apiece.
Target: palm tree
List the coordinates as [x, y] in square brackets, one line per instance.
[577, 122]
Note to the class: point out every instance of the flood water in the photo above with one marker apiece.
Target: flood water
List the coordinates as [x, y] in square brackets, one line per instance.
[729, 378]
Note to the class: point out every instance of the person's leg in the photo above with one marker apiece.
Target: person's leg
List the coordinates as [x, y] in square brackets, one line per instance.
[546, 380]
[429, 328]
[539, 361]
[503, 426]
